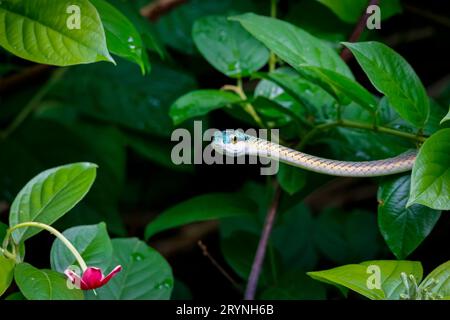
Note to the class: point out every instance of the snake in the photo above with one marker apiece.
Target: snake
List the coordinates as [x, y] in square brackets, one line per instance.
[237, 143]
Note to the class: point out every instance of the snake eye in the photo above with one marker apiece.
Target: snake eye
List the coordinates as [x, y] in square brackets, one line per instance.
[234, 139]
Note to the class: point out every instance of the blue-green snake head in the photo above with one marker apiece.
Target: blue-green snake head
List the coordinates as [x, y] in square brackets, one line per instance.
[230, 142]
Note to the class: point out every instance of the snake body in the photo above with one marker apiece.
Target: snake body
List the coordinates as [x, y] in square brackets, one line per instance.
[236, 143]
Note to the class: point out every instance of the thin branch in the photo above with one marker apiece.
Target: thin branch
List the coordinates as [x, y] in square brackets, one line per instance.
[273, 57]
[262, 246]
[27, 74]
[156, 9]
[358, 125]
[218, 266]
[33, 103]
[359, 28]
[440, 19]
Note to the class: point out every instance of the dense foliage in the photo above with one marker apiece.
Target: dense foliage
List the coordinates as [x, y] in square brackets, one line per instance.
[86, 147]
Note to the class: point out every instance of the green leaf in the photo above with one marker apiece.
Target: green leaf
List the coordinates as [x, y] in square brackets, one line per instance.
[175, 27]
[391, 74]
[145, 274]
[357, 276]
[122, 37]
[91, 241]
[351, 11]
[228, 47]
[347, 237]
[391, 281]
[291, 179]
[200, 102]
[403, 228]
[145, 28]
[430, 184]
[352, 276]
[49, 195]
[294, 285]
[341, 86]
[442, 275]
[36, 284]
[205, 207]
[312, 98]
[29, 30]
[293, 45]
[16, 296]
[446, 118]
[6, 273]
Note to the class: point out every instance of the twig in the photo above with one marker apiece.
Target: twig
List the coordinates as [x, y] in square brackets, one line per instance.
[156, 9]
[27, 74]
[359, 28]
[358, 125]
[443, 20]
[218, 266]
[262, 246]
[273, 57]
[33, 103]
[185, 239]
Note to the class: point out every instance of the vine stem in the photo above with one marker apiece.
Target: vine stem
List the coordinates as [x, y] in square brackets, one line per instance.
[33, 103]
[359, 28]
[239, 90]
[358, 125]
[53, 231]
[252, 283]
[273, 57]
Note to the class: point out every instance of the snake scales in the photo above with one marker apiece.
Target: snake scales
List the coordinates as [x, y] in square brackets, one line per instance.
[236, 143]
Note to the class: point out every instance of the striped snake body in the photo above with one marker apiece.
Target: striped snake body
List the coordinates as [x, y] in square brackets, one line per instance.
[236, 143]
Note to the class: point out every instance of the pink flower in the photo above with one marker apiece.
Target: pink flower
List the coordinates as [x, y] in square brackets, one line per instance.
[92, 277]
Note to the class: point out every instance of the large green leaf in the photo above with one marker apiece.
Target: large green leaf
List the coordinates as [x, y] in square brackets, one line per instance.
[292, 44]
[200, 102]
[228, 47]
[342, 87]
[356, 277]
[122, 37]
[312, 98]
[442, 275]
[352, 276]
[175, 27]
[36, 284]
[351, 10]
[49, 195]
[201, 208]
[391, 281]
[145, 274]
[92, 242]
[402, 228]
[144, 26]
[30, 30]
[6, 273]
[430, 184]
[392, 75]
[51, 144]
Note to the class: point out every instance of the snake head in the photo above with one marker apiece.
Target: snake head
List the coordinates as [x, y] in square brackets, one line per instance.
[230, 142]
